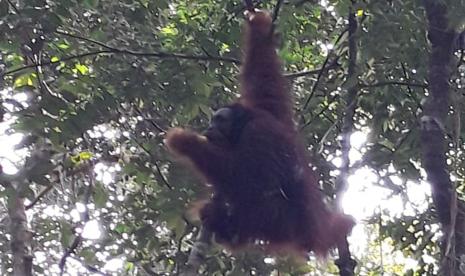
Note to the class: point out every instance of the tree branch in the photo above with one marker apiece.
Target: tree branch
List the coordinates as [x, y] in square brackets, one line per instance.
[276, 10]
[433, 142]
[333, 65]
[84, 39]
[386, 83]
[39, 197]
[320, 73]
[78, 238]
[346, 263]
[155, 163]
[111, 50]
[198, 253]
[13, 6]
[21, 236]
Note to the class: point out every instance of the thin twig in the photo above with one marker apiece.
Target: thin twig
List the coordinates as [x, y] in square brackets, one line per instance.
[46, 63]
[320, 73]
[335, 97]
[157, 167]
[84, 39]
[276, 10]
[78, 238]
[310, 72]
[385, 83]
[39, 197]
[14, 7]
[128, 52]
[315, 85]
[163, 178]
[151, 121]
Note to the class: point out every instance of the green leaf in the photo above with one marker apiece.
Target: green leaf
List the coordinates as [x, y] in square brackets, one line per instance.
[24, 80]
[121, 228]
[91, 3]
[83, 69]
[169, 30]
[129, 266]
[89, 255]
[63, 46]
[85, 155]
[66, 234]
[100, 195]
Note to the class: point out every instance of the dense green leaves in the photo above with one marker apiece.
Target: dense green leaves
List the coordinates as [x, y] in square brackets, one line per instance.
[99, 81]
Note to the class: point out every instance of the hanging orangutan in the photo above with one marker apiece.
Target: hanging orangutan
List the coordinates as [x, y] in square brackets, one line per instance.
[264, 190]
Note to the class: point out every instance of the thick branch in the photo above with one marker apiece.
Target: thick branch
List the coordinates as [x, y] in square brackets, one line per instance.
[436, 108]
[198, 253]
[434, 145]
[21, 236]
[345, 262]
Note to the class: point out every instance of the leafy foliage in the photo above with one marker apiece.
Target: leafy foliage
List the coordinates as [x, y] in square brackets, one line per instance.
[114, 75]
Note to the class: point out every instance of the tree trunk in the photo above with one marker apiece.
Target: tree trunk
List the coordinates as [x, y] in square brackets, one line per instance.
[450, 211]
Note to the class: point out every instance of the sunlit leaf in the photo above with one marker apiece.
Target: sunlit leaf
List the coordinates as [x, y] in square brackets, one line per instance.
[169, 30]
[81, 157]
[85, 155]
[81, 68]
[24, 80]
[63, 46]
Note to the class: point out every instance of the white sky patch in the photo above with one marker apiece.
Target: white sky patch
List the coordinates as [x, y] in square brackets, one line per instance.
[105, 173]
[418, 193]
[40, 257]
[354, 155]
[366, 197]
[365, 194]
[358, 139]
[52, 211]
[104, 130]
[325, 47]
[9, 156]
[269, 260]
[81, 208]
[114, 265]
[110, 134]
[362, 198]
[75, 215]
[337, 161]
[358, 239]
[324, 3]
[92, 230]
[21, 97]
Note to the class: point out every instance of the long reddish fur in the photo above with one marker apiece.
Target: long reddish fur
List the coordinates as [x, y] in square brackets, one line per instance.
[263, 187]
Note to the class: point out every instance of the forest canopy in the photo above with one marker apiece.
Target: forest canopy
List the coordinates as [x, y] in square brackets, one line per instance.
[89, 89]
